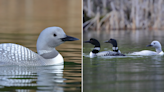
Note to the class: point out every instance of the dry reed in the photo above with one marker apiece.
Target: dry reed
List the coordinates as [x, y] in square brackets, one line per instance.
[123, 14]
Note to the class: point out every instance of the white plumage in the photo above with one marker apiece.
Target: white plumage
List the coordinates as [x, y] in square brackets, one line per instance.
[154, 44]
[49, 38]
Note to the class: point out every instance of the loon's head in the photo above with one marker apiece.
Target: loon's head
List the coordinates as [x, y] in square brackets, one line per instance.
[93, 42]
[156, 45]
[112, 41]
[52, 37]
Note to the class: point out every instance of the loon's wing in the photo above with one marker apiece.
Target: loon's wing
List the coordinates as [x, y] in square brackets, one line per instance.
[14, 54]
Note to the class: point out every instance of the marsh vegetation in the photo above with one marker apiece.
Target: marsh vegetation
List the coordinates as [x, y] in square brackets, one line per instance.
[123, 14]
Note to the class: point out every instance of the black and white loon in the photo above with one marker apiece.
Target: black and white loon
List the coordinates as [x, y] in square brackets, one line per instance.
[114, 43]
[95, 52]
[116, 51]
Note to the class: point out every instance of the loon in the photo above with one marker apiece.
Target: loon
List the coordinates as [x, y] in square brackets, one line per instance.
[49, 38]
[95, 52]
[116, 51]
[156, 45]
[114, 43]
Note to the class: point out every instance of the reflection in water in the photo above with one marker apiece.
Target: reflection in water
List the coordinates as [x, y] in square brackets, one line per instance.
[137, 36]
[54, 76]
[117, 75]
[41, 78]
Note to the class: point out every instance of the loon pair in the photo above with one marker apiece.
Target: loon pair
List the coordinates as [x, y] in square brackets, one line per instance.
[116, 52]
[49, 38]
[95, 52]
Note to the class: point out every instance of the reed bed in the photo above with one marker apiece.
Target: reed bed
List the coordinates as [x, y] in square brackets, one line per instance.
[123, 14]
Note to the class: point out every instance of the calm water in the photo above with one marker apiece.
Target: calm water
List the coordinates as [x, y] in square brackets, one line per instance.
[21, 21]
[124, 74]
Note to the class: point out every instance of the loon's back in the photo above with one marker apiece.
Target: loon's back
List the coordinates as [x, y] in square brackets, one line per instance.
[109, 53]
[13, 54]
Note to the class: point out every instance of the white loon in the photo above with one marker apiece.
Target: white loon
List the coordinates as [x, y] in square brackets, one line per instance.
[49, 38]
[95, 52]
[156, 45]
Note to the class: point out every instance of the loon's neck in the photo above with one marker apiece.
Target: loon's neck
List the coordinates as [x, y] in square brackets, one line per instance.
[96, 49]
[158, 50]
[52, 57]
[48, 54]
[115, 49]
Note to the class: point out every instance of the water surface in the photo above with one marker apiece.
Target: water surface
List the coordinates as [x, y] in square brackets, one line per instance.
[124, 74]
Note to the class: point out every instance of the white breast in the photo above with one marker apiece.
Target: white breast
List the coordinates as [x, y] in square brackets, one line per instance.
[161, 53]
[55, 61]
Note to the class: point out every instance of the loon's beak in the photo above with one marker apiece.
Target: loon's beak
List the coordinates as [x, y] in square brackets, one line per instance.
[69, 38]
[86, 41]
[149, 45]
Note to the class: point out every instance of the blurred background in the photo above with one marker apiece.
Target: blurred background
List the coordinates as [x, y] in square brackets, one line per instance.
[134, 24]
[123, 14]
[21, 22]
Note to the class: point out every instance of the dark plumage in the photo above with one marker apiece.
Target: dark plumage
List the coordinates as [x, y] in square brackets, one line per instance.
[115, 48]
[95, 52]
